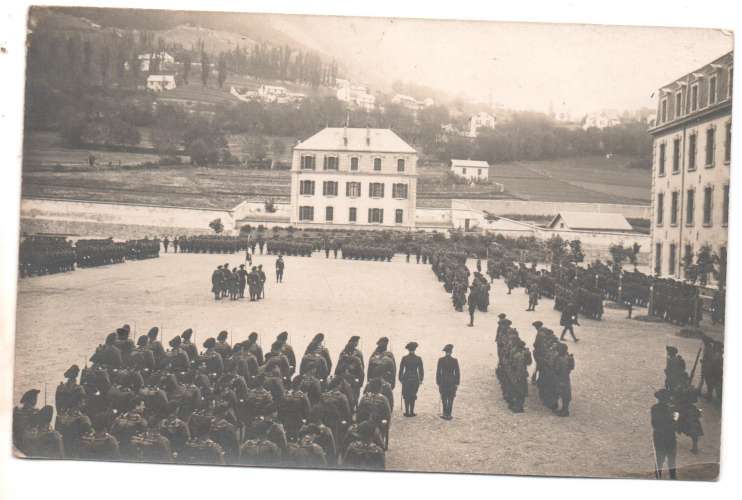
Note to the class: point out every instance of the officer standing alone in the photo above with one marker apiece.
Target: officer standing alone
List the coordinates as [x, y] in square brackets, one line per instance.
[411, 375]
[447, 377]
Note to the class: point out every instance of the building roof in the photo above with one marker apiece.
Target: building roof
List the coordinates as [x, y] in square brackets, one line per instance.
[332, 139]
[469, 163]
[592, 221]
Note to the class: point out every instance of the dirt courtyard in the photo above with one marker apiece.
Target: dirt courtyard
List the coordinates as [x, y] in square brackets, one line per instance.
[619, 362]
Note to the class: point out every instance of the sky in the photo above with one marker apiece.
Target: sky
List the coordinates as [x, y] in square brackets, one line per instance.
[527, 66]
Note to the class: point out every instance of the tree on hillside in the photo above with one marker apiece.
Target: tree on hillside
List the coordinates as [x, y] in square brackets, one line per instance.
[217, 226]
[222, 70]
[186, 67]
[278, 148]
[205, 69]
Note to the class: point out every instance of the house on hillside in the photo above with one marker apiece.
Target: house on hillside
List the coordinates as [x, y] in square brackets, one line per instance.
[590, 221]
[474, 170]
[600, 121]
[158, 83]
[354, 178]
[272, 93]
[480, 120]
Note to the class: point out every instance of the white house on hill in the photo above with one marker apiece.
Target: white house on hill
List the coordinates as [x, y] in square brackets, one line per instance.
[590, 221]
[158, 83]
[471, 169]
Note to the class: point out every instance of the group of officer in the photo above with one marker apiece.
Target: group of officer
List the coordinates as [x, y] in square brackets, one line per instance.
[228, 404]
[552, 374]
[226, 283]
[211, 244]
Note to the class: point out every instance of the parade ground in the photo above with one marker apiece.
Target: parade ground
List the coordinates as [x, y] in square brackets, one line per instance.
[619, 362]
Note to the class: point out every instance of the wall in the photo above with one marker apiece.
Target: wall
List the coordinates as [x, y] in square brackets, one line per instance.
[120, 216]
[503, 207]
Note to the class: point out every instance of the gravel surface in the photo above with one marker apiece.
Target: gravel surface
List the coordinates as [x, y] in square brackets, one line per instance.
[619, 363]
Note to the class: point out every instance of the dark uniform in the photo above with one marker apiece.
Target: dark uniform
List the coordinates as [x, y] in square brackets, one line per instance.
[663, 433]
[447, 377]
[411, 375]
[280, 265]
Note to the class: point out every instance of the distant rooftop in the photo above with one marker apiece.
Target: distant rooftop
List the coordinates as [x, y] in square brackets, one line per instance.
[469, 163]
[358, 139]
[596, 221]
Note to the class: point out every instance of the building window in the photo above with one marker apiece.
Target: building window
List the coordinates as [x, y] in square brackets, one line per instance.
[731, 82]
[712, 90]
[352, 214]
[708, 201]
[710, 146]
[673, 258]
[400, 165]
[687, 258]
[725, 208]
[398, 216]
[728, 142]
[330, 188]
[663, 147]
[676, 156]
[331, 163]
[399, 191]
[658, 258]
[694, 97]
[679, 103]
[329, 212]
[307, 162]
[692, 151]
[479, 172]
[690, 207]
[663, 113]
[463, 171]
[306, 187]
[354, 164]
[306, 213]
[376, 190]
[674, 208]
[377, 164]
[376, 215]
[353, 189]
[660, 208]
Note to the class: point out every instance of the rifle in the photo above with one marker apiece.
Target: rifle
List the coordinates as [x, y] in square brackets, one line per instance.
[657, 471]
[695, 365]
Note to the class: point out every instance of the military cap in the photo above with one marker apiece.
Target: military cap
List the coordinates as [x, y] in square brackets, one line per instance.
[30, 396]
[175, 341]
[142, 340]
[253, 336]
[538, 324]
[318, 338]
[448, 348]
[354, 339]
[223, 335]
[210, 342]
[127, 328]
[411, 346]
[501, 315]
[254, 268]
[671, 349]
[186, 335]
[72, 372]
[153, 332]
[280, 255]
[506, 322]
[242, 266]
[283, 336]
[121, 333]
[383, 341]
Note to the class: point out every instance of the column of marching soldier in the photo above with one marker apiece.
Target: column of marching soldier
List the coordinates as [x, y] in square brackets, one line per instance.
[227, 404]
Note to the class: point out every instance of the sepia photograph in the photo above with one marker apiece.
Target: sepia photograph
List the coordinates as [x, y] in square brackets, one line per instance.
[369, 243]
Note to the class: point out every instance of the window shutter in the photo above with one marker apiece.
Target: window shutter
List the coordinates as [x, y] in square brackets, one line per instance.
[381, 215]
[382, 190]
[370, 210]
[370, 189]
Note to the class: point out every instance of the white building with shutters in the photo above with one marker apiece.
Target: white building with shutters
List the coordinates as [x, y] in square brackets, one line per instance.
[692, 141]
[354, 178]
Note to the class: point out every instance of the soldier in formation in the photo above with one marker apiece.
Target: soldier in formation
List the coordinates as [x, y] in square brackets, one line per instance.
[39, 255]
[212, 244]
[224, 405]
[280, 266]
[514, 358]
[682, 396]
